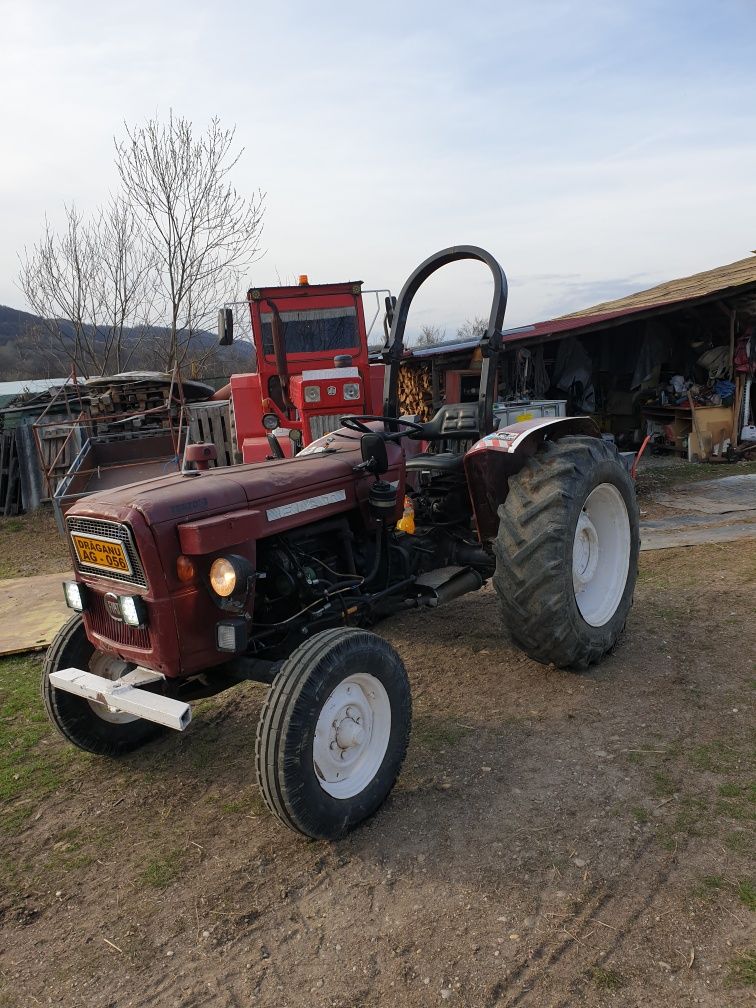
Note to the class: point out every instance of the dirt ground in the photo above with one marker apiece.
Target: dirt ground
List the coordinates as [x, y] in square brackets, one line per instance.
[31, 544]
[554, 839]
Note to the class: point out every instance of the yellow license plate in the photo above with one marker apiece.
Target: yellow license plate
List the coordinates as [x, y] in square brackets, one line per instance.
[101, 551]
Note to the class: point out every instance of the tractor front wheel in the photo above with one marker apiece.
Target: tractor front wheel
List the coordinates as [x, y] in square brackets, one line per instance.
[333, 732]
[90, 725]
[567, 552]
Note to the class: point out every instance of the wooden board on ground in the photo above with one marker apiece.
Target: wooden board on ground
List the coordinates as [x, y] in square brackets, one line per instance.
[27, 627]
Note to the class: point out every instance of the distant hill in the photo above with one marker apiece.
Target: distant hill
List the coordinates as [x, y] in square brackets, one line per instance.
[25, 355]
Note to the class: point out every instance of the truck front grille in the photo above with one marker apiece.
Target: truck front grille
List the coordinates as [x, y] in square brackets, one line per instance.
[320, 425]
[115, 530]
[102, 623]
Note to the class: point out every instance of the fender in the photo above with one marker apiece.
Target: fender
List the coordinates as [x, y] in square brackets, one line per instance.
[497, 456]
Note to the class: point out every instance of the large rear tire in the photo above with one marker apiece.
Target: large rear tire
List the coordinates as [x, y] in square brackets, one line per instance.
[333, 732]
[88, 725]
[567, 552]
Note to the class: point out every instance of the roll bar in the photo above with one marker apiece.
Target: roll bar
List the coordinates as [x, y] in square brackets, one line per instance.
[490, 344]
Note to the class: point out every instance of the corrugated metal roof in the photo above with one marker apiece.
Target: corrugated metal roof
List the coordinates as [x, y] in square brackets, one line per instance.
[15, 388]
[567, 324]
[729, 279]
[445, 348]
[713, 281]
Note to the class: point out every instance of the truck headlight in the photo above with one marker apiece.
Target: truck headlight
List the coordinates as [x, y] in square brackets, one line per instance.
[133, 610]
[230, 576]
[223, 577]
[351, 390]
[231, 635]
[269, 421]
[312, 393]
[76, 595]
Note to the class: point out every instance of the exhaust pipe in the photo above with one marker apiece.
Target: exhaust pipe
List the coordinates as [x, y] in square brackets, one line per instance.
[448, 583]
[121, 695]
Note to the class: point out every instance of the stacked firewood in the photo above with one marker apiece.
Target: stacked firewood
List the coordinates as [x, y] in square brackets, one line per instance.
[127, 398]
[416, 390]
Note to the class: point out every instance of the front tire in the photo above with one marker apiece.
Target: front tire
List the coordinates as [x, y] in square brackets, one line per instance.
[88, 725]
[567, 552]
[333, 732]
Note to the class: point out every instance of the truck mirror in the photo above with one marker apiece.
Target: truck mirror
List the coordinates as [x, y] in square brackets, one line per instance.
[225, 327]
[390, 305]
[373, 449]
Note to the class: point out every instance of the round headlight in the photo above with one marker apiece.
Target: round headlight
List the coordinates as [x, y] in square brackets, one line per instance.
[312, 393]
[223, 577]
[270, 421]
[351, 390]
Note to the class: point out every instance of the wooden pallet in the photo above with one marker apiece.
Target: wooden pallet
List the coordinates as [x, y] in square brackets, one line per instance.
[210, 423]
[58, 447]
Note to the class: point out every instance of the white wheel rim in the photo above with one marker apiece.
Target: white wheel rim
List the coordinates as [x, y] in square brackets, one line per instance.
[601, 554]
[352, 735]
[109, 667]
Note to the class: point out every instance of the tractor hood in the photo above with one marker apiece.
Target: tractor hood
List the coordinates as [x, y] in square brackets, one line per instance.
[177, 497]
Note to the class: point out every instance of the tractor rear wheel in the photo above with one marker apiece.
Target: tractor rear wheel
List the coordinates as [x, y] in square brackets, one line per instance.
[567, 552]
[89, 725]
[333, 732]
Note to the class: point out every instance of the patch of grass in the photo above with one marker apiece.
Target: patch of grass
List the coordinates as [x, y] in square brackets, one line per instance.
[731, 791]
[664, 786]
[640, 814]
[734, 810]
[248, 804]
[691, 816]
[606, 979]
[747, 894]
[716, 756]
[740, 842]
[709, 885]
[667, 613]
[743, 969]
[434, 734]
[30, 770]
[234, 807]
[160, 873]
[691, 819]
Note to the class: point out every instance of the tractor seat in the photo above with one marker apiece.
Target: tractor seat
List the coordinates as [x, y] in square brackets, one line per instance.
[452, 423]
[443, 462]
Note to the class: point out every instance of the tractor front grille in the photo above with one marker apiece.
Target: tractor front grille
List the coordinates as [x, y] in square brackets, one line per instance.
[115, 530]
[320, 425]
[102, 623]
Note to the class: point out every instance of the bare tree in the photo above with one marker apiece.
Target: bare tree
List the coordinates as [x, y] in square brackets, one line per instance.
[203, 234]
[90, 286]
[430, 335]
[473, 329]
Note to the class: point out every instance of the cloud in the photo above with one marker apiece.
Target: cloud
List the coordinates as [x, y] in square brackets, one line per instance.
[585, 144]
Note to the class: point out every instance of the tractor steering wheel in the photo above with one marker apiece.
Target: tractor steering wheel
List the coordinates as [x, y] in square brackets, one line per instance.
[356, 423]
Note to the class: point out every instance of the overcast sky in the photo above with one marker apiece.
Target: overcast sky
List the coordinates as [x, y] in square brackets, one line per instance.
[594, 147]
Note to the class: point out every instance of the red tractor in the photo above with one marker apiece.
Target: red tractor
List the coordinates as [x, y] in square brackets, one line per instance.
[312, 366]
[190, 583]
